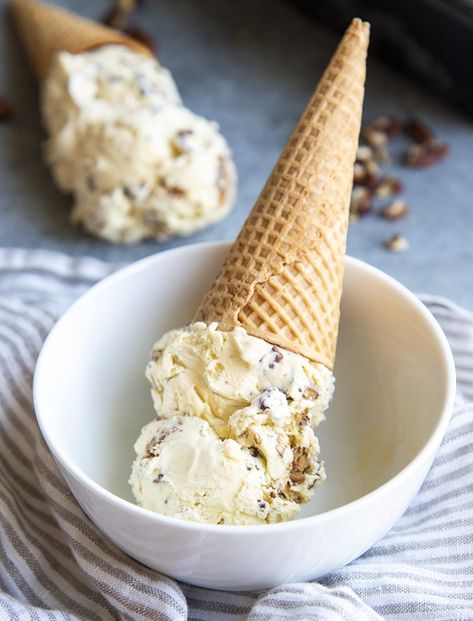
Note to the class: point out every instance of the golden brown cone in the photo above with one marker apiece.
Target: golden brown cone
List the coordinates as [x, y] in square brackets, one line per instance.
[45, 29]
[282, 279]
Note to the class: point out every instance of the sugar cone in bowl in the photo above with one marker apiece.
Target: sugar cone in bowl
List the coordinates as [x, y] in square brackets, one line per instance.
[282, 279]
[45, 29]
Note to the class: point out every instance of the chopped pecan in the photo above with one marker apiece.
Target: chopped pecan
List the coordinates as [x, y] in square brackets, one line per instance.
[395, 211]
[397, 243]
[300, 465]
[374, 137]
[311, 393]
[390, 125]
[419, 131]
[151, 449]
[365, 173]
[304, 421]
[361, 201]
[364, 153]
[423, 155]
[388, 186]
[301, 461]
[118, 14]
[115, 17]
[173, 190]
[297, 477]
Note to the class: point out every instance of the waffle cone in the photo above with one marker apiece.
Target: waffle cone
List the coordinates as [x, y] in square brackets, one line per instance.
[282, 279]
[45, 29]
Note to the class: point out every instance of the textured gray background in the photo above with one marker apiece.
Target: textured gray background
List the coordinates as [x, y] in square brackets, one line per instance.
[251, 66]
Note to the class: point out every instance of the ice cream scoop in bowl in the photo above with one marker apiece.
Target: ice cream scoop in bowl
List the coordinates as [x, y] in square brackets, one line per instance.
[394, 395]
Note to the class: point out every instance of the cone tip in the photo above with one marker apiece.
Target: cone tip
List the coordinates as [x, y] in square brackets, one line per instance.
[358, 26]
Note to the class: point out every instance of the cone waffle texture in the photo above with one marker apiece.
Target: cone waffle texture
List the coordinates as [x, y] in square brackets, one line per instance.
[282, 279]
[46, 29]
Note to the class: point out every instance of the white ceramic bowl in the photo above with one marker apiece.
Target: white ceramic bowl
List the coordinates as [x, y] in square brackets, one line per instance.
[393, 400]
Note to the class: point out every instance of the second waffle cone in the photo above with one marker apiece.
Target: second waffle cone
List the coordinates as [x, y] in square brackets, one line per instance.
[45, 29]
[282, 279]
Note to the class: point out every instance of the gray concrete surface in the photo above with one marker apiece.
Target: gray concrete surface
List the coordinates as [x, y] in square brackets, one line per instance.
[250, 65]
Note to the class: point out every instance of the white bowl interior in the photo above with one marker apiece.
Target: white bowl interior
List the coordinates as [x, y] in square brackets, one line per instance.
[92, 397]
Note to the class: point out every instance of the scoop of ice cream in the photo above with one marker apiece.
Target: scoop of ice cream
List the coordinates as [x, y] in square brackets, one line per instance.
[138, 163]
[203, 371]
[184, 470]
[263, 398]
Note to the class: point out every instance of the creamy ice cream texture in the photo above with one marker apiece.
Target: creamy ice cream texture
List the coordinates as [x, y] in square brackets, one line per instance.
[139, 164]
[233, 442]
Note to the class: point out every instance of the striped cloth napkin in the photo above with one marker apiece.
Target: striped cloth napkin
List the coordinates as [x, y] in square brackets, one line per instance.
[55, 565]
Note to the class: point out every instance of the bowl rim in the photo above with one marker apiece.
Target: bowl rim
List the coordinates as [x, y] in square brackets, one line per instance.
[426, 452]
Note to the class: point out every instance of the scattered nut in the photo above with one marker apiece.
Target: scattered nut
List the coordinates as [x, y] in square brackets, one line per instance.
[397, 243]
[395, 211]
[6, 111]
[115, 17]
[361, 201]
[390, 125]
[119, 13]
[374, 137]
[388, 186]
[381, 130]
[423, 155]
[118, 16]
[372, 168]
[369, 188]
[136, 32]
[419, 131]
[364, 153]
[359, 172]
[365, 173]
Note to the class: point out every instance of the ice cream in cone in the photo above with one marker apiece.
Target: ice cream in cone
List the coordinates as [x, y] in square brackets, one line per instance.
[282, 279]
[239, 391]
[139, 164]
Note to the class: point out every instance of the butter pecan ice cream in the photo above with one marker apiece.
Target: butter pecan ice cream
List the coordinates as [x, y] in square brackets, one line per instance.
[233, 441]
[139, 164]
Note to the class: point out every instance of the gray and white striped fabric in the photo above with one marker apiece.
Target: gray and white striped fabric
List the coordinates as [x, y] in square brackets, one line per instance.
[54, 564]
